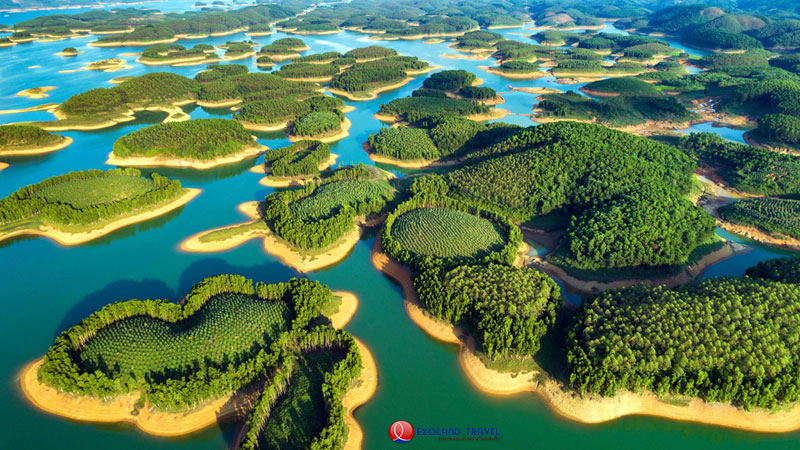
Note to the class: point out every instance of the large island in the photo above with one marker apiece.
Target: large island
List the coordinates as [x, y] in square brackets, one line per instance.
[114, 366]
[81, 206]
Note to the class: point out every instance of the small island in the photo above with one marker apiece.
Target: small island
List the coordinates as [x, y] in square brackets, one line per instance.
[81, 206]
[279, 113]
[431, 142]
[296, 164]
[113, 367]
[349, 200]
[198, 144]
[516, 70]
[17, 140]
[69, 51]
[627, 104]
[374, 69]
[174, 54]
[325, 126]
[283, 49]
[36, 93]
[106, 65]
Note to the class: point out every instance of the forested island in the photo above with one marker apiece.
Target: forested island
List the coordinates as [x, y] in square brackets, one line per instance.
[81, 206]
[199, 143]
[371, 70]
[296, 164]
[29, 140]
[282, 355]
[446, 93]
[313, 226]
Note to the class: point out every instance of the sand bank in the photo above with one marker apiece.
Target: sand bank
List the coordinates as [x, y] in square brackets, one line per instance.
[407, 164]
[65, 141]
[165, 161]
[219, 104]
[536, 90]
[373, 94]
[494, 114]
[46, 107]
[118, 409]
[362, 390]
[760, 235]
[473, 57]
[67, 54]
[35, 92]
[347, 309]
[75, 238]
[515, 76]
[328, 138]
[264, 126]
[3, 166]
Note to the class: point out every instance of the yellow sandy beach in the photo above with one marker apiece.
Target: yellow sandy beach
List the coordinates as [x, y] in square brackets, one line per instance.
[75, 238]
[156, 161]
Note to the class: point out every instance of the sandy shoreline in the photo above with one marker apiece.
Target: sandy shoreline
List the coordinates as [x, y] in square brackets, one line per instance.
[283, 182]
[588, 409]
[276, 246]
[515, 76]
[373, 94]
[137, 161]
[65, 142]
[343, 133]
[407, 164]
[225, 408]
[70, 238]
[494, 114]
[35, 93]
[347, 309]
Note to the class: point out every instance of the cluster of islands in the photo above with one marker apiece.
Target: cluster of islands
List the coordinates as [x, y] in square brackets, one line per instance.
[627, 209]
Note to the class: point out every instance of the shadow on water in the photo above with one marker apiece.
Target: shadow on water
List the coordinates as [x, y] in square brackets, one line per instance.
[131, 230]
[141, 118]
[125, 289]
[266, 271]
[206, 175]
[114, 292]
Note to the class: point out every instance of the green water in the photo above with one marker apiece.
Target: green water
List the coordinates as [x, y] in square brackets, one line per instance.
[47, 288]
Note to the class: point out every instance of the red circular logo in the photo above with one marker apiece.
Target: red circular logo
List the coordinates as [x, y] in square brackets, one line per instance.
[401, 431]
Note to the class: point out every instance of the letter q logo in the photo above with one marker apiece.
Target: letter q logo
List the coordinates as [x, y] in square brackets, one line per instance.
[401, 431]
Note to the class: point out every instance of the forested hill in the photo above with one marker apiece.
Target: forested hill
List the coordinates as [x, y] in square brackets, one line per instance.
[624, 192]
[731, 340]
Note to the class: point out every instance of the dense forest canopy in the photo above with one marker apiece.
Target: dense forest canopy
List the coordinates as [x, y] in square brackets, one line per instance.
[201, 139]
[725, 339]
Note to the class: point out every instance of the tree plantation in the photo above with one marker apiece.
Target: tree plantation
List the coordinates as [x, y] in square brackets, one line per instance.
[200, 139]
[725, 339]
[319, 214]
[85, 199]
[228, 333]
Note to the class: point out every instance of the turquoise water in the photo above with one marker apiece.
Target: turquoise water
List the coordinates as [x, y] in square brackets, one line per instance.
[48, 288]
